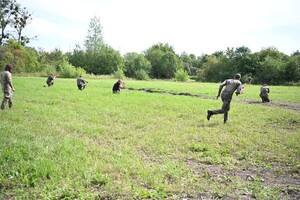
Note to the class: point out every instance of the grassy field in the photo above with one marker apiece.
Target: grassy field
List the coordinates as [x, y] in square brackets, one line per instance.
[62, 143]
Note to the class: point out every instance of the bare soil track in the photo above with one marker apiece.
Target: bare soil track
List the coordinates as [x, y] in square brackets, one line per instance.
[288, 182]
[284, 105]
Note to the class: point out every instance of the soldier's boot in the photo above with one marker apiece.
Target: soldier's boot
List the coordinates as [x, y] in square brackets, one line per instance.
[225, 116]
[209, 114]
[10, 104]
[3, 104]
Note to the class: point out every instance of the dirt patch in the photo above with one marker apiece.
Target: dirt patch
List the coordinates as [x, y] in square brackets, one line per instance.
[287, 183]
[284, 105]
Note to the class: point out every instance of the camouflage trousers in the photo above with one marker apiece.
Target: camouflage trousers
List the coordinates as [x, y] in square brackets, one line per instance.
[7, 97]
[264, 98]
[226, 99]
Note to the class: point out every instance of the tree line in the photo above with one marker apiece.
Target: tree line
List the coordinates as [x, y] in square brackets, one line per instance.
[159, 61]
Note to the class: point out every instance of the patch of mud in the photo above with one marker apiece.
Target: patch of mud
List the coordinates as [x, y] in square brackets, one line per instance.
[287, 183]
[284, 105]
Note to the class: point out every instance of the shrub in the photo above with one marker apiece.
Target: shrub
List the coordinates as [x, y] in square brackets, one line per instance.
[119, 74]
[181, 75]
[141, 75]
[69, 71]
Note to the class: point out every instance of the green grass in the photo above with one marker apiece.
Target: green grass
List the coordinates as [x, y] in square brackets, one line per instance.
[62, 143]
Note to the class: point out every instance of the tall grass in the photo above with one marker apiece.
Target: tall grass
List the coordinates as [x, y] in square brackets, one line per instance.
[62, 143]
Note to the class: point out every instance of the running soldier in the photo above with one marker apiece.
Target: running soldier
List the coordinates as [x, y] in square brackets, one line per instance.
[231, 86]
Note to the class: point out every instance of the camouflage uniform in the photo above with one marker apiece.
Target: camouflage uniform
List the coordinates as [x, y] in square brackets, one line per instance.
[264, 93]
[117, 87]
[226, 96]
[81, 83]
[7, 89]
[50, 80]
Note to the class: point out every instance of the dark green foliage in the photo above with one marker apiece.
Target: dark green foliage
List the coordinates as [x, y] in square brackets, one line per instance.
[164, 61]
[267, 66]
[78, 58]
[104, 61]
[137, 66]
[291, 70]
[141, 74]
[190, 63]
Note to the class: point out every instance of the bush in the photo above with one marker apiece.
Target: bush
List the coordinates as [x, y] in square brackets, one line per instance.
[119, 74]
[48, 69]
[181, 75]
[69, 71]
[80, 71]
[141, 75]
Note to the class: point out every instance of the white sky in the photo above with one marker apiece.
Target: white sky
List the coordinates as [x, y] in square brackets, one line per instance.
[193, 26]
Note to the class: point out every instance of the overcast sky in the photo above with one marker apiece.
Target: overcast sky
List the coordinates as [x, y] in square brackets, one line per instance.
[194, 26]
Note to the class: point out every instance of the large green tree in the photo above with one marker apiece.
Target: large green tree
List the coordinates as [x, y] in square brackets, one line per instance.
[94, 39]
[137, 66]
[270, 66]
[13, 19]
[210, 70]
[79, 58]
[164, 61]
[291, 70]
[106, 61]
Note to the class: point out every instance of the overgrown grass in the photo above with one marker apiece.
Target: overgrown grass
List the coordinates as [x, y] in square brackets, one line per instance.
[62, 143]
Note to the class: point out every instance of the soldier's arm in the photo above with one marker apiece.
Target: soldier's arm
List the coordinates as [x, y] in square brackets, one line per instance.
[221, 87]
[239, 89]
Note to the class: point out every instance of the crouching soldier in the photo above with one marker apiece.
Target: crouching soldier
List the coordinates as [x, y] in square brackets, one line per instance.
[117, 86]
[264, 93]
[81, 83]
[50, 80]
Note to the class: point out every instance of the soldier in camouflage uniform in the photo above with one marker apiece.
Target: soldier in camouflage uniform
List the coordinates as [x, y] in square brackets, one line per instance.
[264, 93]
[7, 87]
[50, 80]
[81, 83]
[117, 86]
[231, 86]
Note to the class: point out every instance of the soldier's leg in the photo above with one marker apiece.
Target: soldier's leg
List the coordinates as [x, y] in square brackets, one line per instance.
[226, 107]
[214, 112]
[10, 104]
[267, 99]
[5, 99]
[3, 103]
[219, 111]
